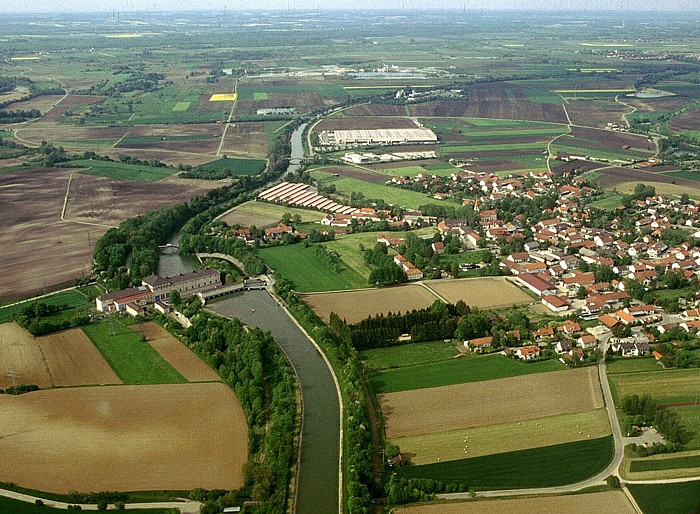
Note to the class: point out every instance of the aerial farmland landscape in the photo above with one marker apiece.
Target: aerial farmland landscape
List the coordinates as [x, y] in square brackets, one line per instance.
[375, 259]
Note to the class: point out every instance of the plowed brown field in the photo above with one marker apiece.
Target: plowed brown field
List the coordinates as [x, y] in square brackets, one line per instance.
[20, 355]
[124, 438]
[73, 360]
[178, 355]
[609, 501]
[424, 411]
[354, 306]
[484, 293]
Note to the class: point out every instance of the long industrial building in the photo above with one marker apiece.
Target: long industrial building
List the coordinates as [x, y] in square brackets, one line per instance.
[377, 137]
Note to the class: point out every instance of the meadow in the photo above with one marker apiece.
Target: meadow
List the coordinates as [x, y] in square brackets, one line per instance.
[548, 466]
[690, 461]
[302, 266]
[665, 386]
[682, 498]
[132, 359]
[235, 166]
[71, 299]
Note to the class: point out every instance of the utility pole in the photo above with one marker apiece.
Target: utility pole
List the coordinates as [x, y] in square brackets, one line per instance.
[14, 376]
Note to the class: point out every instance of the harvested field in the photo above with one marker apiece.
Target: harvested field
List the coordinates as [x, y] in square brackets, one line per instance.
[31, 202]
[354, 306]
[484, 293]
[688, 121]
[196, 138]
[41, 103]
[77, 101]
[491, 402]
[73, 360]
[506, 437]
[263, 214]
[366, 123]
[373, 177]
[20, 353]
[71, 136]
[611, 140]
[246, 140]
[627, 178]
[597, 113]
[178, 355]
[606, 502]
[568, 167]
[124, 438]
[495, 100]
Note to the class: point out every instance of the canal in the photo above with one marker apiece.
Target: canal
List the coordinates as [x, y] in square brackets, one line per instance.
[318, 483]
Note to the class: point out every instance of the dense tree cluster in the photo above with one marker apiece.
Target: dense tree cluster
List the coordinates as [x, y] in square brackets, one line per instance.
[645, 411]
[34, 319]
[256, 369]
[385, 271]
[19, 116]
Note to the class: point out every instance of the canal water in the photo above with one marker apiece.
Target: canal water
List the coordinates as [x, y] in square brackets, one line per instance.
[171, 263]
[320, 446]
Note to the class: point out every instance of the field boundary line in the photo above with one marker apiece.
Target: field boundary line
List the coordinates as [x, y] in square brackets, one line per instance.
[228, 121]
[434, 293]
[65, 205]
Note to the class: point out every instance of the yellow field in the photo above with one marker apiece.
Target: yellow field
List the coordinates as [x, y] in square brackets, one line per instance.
[123, 36]
[606, 45]
[32, 58]
[607, 502]
[224, 97]
[484, 293]
[124, 438]
[505, 437]
[479, 404]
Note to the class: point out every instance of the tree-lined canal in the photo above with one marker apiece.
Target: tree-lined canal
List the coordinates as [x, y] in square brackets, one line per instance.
[318, 484]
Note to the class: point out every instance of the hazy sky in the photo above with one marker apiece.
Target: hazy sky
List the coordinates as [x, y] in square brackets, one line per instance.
[169, 5]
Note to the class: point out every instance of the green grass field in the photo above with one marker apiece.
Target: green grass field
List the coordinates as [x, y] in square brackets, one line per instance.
[691, 461]
[302, 266]
[540, 467]
[408, 355]
[608, 201]
[119, 170]
[133, 360]
[181, 106]
[72, 299]
[454, 371]
[9, 505]
[683, 498]
[448, 149]
[393, 195]
[689, 175]
[236, 166]
[630, 365]
[665, 386]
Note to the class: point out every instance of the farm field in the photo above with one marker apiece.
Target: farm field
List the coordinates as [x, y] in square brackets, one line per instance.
[121, 171]
[484, 293]
[604, 502]
[354, 306]
[262, 214]
[504, 437]
[626, 365]
[20, 353]
[470, 405]
[186, 362]
[349, 122]
[675, 461]
[308, 272]
[70, 299]
[247, 140]
[345, 186]
[548, 466]
[665, 386]
[624, 180]
[126, 438]
[73, 360]
[133, 360]
[683, 498]
[235, 166]
[444, 372]
[31, 202]
[409, 354]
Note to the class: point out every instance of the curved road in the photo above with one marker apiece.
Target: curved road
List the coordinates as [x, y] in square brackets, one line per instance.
[319, 480]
